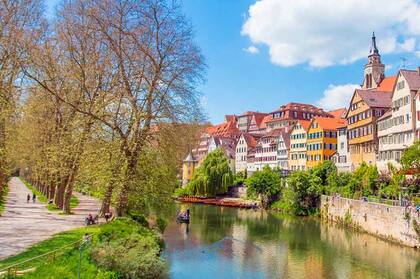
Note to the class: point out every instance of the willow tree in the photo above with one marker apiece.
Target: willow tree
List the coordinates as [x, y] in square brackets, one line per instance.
[213, 177]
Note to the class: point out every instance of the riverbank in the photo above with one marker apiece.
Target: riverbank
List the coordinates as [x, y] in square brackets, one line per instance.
[116, 249]
[222, 201]
[394, 223]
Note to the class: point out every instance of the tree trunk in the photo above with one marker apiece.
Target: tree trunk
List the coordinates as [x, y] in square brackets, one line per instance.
[106, 202]
[129, 179]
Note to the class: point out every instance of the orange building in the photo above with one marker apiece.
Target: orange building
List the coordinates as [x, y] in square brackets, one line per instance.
[321, 142]
[366, 107]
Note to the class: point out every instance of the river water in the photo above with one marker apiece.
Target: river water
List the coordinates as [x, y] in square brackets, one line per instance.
[222, 242]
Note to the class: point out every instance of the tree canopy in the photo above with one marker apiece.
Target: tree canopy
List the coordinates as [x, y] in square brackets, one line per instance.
[212, 177]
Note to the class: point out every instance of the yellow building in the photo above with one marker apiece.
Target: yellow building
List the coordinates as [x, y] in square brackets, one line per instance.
[298, 135]
[321, 142]
[366, 107]
[188, 167]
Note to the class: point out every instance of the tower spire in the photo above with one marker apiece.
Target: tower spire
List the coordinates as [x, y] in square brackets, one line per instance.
[373, 48]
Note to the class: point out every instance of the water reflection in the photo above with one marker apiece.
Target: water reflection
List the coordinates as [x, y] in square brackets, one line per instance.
[236, 243]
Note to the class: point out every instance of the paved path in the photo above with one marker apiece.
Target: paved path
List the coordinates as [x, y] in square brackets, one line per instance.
[23, 224]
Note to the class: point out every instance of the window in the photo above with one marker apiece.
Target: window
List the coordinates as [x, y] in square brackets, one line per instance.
[400, 85]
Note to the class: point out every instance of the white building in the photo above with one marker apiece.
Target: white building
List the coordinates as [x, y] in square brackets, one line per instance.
[342, 157]
[245, 143]
[266, 150]
[397, 127]
[283, 147]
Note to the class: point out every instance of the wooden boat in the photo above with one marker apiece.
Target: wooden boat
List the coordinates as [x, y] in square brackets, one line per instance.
[182, 219]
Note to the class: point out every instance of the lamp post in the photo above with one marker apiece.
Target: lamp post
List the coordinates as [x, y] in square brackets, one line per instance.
[86, 240]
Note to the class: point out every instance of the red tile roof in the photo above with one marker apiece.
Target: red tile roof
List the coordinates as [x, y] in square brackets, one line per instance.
[222, 129]
[387, 84]
[265, 120]
[259, 117]
[250, 140]
[327, 123]
[338, 113]
[299, 108]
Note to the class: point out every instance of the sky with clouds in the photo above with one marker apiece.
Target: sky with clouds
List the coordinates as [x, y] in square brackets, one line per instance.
[261, 54]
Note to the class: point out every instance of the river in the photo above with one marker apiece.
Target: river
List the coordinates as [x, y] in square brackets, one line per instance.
[223, 242]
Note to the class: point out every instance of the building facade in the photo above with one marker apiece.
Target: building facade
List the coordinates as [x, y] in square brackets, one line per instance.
[321, 142]
[298, 136]
[245, 143]
[266, 150]
[341, 158]
[188, 167]
[397, 127]
[283, 149]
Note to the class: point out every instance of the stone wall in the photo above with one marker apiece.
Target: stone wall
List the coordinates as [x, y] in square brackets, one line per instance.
[395, 223]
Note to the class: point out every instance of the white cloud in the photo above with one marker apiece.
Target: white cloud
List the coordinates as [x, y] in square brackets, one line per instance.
[252, 50]
[337, 96]
[328, 32]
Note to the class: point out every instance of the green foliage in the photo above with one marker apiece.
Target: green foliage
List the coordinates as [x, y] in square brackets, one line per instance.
[240, 178]
[3, 194]
[303, 191]
[347, 219]
[181, 192]
[161, 224]
[266, 183]
[131, 253]
[213, 177]
[139, 218]
[410, 158]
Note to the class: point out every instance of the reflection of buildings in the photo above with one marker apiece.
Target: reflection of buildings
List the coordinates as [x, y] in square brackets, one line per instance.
[393, 261]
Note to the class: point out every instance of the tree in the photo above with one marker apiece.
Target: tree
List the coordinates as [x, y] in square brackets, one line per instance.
[212, 177]
[301, 197]
[266, 183]
[410, 159]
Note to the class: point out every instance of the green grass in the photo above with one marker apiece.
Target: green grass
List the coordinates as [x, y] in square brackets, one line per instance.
[65, 263]
[3, 196]
[52, 207]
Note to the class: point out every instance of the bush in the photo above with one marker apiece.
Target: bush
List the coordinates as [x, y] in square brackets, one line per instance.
[266, 183]
[130, 250]
[161, 224]
[181, 192]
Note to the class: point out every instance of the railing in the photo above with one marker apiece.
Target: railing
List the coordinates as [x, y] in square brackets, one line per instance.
[12, 271]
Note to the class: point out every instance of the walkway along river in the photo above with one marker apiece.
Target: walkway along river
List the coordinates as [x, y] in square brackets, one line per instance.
[225, 242]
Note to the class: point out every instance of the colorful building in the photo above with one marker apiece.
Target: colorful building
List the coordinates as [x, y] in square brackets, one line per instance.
[283, 150]
[341, 158]
[321, 143]
[298, 136]
[188, 167]
[397, 127]
[287, 115]
[245, 143]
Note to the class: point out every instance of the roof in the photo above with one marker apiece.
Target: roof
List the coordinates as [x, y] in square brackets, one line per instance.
[375, 98]
[412, 77]
[387, 84]
[387, 114]
[265, 120]
[338, 113]
[250, 140]
[298, 107]
[286, 138]
[190, 158]
[343, 124]
[248, 113]
[274, 133]
[224, 128]
[259, 117]
[230, 117]
[304, 123]
[327, 123]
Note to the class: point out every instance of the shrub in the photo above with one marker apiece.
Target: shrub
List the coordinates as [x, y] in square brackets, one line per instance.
[129, 249]
[161, 224]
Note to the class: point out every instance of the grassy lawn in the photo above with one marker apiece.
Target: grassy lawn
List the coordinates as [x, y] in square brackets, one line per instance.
[52, 207]
[133, 244]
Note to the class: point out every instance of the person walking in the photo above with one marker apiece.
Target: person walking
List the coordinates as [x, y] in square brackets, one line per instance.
[28, 198]
[33, 197]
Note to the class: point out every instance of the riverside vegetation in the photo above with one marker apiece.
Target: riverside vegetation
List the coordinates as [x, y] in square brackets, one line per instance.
[100, 100]
[304, 188]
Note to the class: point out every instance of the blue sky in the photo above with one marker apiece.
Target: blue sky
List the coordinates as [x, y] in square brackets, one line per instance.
[304, 51]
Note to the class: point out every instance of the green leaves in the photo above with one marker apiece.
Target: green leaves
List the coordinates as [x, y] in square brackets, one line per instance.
[213, 177]
[266, 183]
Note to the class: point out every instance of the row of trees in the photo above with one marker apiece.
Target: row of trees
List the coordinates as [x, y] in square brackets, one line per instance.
[105, 86]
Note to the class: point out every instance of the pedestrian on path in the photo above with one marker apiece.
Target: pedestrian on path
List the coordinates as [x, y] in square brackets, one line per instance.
[33, 197]
[28, 198]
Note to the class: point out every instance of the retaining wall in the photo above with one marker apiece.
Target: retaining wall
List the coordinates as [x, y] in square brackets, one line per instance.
[395, 223]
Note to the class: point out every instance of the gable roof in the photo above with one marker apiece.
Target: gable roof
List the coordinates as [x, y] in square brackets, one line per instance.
[375, 98]
[286, 138]
[250, 140]
[412, 77]
[327, 123]
[387, 84]
[224, 128]
[338, 113]
[266, 119]
[259, 117]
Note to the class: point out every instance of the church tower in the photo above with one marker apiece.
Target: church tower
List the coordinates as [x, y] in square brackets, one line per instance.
[374, 70]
